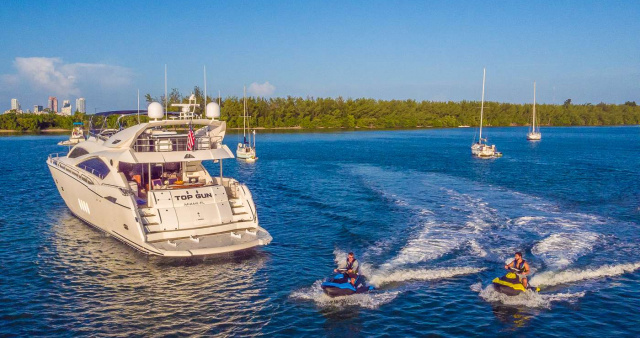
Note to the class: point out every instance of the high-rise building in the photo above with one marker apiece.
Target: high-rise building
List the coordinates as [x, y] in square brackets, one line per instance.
[53, 104]
[81, 105]
[15, 105]
[37, 109]
[66, 108]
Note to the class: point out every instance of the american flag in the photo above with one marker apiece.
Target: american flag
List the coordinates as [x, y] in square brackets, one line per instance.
[191, 139]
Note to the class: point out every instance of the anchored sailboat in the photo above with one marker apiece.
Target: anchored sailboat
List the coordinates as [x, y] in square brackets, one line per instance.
[481, 148]
[534, 135]
[245, 150]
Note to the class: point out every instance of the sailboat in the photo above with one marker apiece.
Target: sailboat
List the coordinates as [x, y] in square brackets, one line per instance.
[534, 135]
[245, 150]
[481, 149]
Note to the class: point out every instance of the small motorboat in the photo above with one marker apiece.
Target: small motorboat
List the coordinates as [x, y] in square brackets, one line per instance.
[340, 285]
[77, 135]
[511, 285]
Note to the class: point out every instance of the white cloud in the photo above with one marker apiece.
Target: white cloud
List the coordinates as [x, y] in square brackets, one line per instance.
[39, 77]
[64, 79]
[265, 89]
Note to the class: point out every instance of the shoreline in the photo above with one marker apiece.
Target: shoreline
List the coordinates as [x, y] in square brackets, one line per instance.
[50, 130]
[61, 130]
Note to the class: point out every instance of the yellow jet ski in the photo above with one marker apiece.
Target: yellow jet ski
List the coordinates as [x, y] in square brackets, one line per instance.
[511, 285]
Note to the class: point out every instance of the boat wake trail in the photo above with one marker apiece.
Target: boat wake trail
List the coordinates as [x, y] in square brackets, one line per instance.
[529, 299]
[562, 249]
[446, 226]
[403, 275]
[365, 300]
[551, 278]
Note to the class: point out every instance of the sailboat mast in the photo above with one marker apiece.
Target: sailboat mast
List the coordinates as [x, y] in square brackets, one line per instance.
[534, 108]
[166, 99]
[484, 73]
[244, 116]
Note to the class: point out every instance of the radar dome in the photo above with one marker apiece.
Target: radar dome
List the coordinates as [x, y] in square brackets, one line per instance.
[154, 111]
[213, 110]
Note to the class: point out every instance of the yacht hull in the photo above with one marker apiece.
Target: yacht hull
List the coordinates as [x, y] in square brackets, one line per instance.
[111, 210]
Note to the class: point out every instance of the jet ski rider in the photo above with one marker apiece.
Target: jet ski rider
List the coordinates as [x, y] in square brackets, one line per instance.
[351, 266]
[521, 268]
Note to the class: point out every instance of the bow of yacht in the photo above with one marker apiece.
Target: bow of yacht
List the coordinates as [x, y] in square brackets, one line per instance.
[146, 185]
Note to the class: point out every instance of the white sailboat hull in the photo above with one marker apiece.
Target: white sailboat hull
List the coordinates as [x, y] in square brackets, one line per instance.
[245, 152]
[484, 151]
[534, 136]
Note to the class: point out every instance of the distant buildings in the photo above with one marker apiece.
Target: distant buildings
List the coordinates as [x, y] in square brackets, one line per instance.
[53, 104]
[52, 107]
[15, 105]
[81, 105]
[66, 108]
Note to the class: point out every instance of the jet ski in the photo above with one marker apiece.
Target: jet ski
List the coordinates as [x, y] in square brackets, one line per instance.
[340, 285]
[511, 285]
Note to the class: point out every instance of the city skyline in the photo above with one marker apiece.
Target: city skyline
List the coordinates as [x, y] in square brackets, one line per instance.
[52, 106]
[582, 50]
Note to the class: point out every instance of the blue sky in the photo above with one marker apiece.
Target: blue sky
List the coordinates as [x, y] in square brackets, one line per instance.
[423, 50]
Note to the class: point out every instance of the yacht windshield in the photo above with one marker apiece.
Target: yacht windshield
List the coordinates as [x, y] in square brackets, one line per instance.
[95, 166]
[77, 152]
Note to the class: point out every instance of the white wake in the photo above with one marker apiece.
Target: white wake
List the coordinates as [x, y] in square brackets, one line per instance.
[364, 300]
[561, 249]
[528, 299]
[403, 275]
[551, 278]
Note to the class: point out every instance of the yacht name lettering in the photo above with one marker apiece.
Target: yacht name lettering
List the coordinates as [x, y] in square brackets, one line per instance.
[189, 196]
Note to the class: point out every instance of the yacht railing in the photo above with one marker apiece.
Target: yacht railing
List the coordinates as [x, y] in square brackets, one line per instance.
[74, 171]
[172, 143]
[253, 212]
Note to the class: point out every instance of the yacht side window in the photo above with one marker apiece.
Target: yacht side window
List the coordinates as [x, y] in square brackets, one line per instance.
[95, 166]
[77, 152]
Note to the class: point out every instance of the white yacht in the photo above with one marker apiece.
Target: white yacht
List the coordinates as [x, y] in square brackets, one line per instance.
[147, 186]
[77, 135]
[534, 134]
[480, 148]
[245, 150]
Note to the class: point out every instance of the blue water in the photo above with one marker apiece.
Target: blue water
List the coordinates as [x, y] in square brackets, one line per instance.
[431, 226]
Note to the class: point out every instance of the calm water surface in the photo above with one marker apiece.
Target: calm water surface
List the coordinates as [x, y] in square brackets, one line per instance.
[431, 225]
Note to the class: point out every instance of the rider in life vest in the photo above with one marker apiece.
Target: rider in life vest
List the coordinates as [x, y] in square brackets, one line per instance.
[521, 266]
[351, 265]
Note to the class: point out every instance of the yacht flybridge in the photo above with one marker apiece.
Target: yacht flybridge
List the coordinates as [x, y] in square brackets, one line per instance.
[146, 185]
